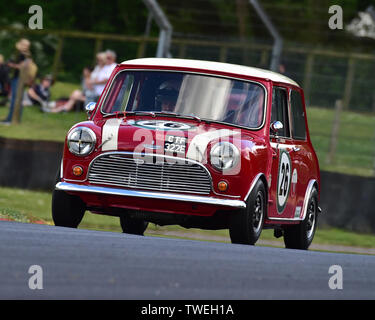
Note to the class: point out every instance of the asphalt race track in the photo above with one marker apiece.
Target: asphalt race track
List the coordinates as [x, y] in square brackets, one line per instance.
[83, 264]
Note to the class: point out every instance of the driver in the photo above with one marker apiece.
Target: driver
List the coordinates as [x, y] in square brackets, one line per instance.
[166, 96]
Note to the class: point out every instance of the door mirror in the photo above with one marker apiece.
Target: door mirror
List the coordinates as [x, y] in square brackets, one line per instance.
[276, 126]
[90, 107]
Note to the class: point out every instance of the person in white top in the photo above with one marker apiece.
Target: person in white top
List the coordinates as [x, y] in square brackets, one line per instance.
[111, 60]
[94, 82]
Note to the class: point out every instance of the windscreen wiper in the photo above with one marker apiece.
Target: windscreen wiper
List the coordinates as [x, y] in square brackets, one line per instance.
[174, 114]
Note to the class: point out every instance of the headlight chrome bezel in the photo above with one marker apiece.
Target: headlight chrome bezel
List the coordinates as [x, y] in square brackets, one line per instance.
[217, 152]
[73, 140]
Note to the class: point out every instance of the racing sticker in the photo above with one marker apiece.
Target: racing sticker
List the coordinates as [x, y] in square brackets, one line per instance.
[283, 180]
[162, 125]
[199, 143]
[110, 134]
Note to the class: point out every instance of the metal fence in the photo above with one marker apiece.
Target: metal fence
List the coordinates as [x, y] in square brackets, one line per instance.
[327, 77]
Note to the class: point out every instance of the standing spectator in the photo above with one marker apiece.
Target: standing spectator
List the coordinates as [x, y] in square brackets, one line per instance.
[22, 53]
[4, 81]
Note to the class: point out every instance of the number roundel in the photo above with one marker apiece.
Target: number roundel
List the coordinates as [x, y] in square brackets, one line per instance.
[283, 180]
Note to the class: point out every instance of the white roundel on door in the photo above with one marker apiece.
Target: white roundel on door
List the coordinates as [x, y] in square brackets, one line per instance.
[283, 180]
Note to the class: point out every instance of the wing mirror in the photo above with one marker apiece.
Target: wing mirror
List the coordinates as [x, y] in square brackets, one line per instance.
[276, 126]
[90, 107]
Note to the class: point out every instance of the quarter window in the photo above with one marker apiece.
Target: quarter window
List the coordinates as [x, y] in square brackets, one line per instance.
[298, 115]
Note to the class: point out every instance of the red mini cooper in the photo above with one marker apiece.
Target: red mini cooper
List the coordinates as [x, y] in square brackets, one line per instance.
[195, 143]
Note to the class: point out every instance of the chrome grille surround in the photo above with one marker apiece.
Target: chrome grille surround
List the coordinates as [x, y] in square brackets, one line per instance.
[156, 172]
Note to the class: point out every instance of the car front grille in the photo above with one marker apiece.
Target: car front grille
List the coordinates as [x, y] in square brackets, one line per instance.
[158, 174]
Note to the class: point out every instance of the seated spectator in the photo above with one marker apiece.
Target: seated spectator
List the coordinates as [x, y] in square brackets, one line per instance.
[93, 83]
[111, 61]
[77, 97]
[98, 78]
[39, 94]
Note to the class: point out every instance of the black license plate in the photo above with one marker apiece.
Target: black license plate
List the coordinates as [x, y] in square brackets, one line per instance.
[175, 144]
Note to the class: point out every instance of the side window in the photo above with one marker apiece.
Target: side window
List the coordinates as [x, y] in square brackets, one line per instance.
[280, 110]
[298, 115]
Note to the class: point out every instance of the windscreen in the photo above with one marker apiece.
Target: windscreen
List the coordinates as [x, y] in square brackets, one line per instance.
[207, 97]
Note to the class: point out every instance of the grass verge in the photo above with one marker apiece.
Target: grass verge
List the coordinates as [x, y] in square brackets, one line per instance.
[30, 206]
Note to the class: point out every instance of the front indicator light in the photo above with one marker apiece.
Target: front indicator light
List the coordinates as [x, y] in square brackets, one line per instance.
[222, 186]
[77, 171]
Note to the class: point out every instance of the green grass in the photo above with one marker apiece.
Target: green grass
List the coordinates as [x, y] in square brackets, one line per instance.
[32, 206]
[355, 150]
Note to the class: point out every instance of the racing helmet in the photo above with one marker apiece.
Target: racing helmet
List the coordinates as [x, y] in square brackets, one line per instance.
[167, 93]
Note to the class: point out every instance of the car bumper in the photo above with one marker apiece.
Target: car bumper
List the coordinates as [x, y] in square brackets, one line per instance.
[76, 188]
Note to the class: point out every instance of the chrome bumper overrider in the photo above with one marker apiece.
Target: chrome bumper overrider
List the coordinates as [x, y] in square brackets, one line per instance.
[64, 186]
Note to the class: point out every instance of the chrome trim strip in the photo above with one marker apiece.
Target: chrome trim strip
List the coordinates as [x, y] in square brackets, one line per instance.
[152, 195]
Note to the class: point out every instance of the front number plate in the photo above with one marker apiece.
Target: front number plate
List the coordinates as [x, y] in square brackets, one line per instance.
[175, 144]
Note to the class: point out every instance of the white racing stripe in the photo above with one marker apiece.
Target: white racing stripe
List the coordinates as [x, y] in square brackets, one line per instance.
[110, 134]
[200, 142]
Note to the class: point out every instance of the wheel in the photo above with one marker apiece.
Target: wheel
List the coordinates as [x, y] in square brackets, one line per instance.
[133, 225]
[246, 225]
[300, 236]
[67, 210]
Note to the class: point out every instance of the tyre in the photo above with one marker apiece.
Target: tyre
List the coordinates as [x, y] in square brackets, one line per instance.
[133, 225]
[246, 225]
[300, 236]
[67, 210]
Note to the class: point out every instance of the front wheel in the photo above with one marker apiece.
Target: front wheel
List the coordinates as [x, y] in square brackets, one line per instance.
[246, 225]
[67, 210]
[133, 225]
[301, 235]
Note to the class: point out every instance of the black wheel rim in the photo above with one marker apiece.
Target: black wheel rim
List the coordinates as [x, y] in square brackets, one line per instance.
[311, 219]
[258, 212]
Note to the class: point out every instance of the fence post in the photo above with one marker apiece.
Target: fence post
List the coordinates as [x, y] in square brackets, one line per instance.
[182, 51]
[349, 83]
[223, 53]
[98, 48]
[307, 78]
[19, 94]
[57, 58]
[335, 132]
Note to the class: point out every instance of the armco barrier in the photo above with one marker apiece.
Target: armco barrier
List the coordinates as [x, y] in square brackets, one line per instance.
[347, 201]
[29, 164]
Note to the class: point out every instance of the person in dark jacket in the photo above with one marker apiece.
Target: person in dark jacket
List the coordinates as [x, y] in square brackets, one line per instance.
[22, 53]
[4, 81]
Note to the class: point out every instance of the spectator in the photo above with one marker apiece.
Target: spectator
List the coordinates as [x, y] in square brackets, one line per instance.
[22, 53]
[111, 60]
[77, 98]
[39, 94]
[93, 83]
[98, 78]
[4, 81]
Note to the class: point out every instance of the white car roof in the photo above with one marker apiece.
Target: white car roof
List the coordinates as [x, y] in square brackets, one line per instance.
[212, 66]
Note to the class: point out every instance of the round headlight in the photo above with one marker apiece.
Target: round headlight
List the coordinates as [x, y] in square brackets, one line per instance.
[81, 141]
[224, 155]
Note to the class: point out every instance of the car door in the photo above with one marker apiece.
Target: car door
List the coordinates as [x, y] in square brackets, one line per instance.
[301, 149]
[283, 200]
